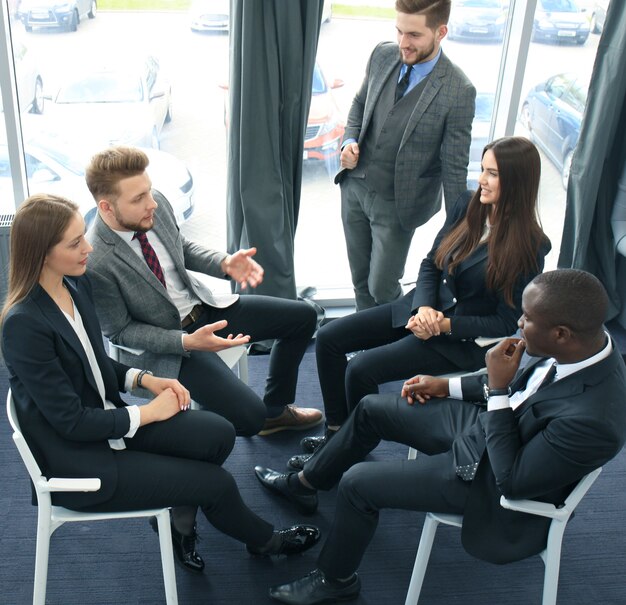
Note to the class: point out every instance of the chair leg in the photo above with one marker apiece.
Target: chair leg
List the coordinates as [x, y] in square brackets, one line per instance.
[41, 555]
[167, 558]
[552, 559]
[421, 559]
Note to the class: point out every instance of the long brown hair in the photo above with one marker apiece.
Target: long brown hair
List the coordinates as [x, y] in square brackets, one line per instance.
[516, 234]
[38, 226]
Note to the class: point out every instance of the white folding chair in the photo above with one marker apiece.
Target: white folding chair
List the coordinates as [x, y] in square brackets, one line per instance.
[551, 556]
[50, 517]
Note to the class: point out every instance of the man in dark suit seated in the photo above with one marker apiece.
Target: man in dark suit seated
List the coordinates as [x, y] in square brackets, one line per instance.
[531, 433]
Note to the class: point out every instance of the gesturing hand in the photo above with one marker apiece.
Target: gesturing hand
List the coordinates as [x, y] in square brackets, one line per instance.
[503, 362]
[422, 388]
[205, 339]
[243, 268]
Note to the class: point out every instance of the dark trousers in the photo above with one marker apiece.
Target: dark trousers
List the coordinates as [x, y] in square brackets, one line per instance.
[428, 483]
[178, 463]
[387, 354]
[214, 387]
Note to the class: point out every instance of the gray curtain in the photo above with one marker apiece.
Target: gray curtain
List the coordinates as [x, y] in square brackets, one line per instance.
[273, 44]
[588, 242]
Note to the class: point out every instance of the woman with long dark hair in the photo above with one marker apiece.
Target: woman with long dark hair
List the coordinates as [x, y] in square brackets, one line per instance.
[469, 286]
[67, 399]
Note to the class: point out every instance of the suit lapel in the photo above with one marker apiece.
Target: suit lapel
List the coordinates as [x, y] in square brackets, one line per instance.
[59, 322]
[436, 80]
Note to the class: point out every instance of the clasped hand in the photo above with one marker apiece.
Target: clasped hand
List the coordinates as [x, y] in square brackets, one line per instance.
[349, 156]
[426, 323]
[171, 397]
[243, 268]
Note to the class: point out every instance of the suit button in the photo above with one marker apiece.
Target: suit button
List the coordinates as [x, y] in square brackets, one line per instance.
[445, 281]
[454, 300]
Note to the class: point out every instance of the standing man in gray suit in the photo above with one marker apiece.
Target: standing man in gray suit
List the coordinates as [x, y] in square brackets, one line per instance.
[408, 134]
[147, 300]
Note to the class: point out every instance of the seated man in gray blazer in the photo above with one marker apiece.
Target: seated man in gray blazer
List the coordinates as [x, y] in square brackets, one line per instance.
[147, 300]
[531, 433]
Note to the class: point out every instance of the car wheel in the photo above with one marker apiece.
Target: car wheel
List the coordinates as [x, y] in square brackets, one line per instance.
[72, 26]
[567, 165]
[581, 41]
[154, 139]
[94, 9]
[525, 117]
[37, 106]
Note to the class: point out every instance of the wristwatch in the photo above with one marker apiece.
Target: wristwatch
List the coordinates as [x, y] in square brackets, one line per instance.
[487, 392]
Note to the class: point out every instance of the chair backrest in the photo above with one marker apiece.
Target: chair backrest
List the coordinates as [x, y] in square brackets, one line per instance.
[22, 447]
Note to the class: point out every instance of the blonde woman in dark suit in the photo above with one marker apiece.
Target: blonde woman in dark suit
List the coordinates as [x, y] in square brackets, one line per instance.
[66, 393]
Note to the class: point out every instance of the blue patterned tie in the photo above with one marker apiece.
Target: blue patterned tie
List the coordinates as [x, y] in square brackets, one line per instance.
[403, 84]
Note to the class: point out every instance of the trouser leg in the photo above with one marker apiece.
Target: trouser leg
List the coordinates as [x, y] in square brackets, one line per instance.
[358, 234]
[395, 360]
[291, 323]
[215, 387]
[177, 463]
[430, 428]
[364, 330]
[428, 483]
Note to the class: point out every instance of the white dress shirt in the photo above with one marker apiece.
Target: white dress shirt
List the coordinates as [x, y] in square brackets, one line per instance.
[133, 411]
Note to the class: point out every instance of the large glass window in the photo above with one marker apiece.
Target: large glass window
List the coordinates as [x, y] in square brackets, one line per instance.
[88, 77]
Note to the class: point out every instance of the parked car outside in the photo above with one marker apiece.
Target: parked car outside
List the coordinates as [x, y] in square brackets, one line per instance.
[478, 20]
[29, 80]
[56, 165]
[214, 15]
[325, 126]
[480, 136]
[561, 21]
[598, 16]
[124, 102]
[61, 14]
[552, 113]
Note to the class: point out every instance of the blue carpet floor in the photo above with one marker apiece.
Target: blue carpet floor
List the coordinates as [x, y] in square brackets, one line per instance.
[118, 562]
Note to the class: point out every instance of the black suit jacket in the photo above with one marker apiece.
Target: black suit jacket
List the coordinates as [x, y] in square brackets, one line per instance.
[474, 309]
[56, 397]
[538, 451]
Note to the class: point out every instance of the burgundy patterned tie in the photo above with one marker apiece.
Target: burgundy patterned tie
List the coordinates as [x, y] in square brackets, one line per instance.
[150, 255]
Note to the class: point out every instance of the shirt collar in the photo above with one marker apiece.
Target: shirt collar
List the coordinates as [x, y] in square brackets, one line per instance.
[566, 369]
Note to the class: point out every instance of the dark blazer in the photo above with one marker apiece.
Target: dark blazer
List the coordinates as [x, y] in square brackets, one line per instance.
[474, 309]
[538, 451]
[434, 148]
[56, 397]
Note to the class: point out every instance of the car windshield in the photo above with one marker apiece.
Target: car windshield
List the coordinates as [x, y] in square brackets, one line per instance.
[560, 6]
[319, 85]
[103, 88]
[479, 4]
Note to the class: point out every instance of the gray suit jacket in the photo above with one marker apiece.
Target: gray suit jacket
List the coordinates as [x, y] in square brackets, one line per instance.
[134, 308]
[434, 149]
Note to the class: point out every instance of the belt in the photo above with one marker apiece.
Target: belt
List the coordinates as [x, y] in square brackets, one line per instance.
[192, 316]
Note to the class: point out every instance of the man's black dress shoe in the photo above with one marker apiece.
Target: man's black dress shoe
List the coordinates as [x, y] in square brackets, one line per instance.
[310, 445]
[298, 461]
[290, 541]
[277, 483]
[314, 589]
[184, 547]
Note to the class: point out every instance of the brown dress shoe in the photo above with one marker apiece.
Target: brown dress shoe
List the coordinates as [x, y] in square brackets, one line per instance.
[292, 418]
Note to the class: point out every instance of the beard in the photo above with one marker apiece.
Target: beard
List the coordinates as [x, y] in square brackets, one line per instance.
[141, 226]
[420, 55]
